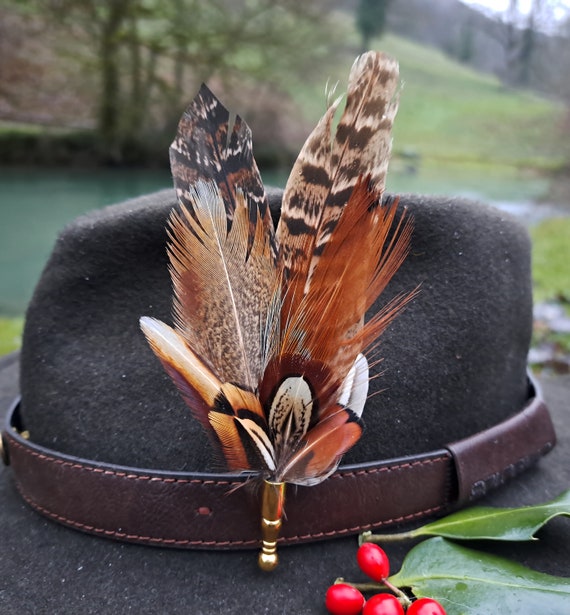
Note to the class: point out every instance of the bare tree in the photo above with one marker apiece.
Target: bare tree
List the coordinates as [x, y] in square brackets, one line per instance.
[520, 35]
[371, 20]
[144, 51]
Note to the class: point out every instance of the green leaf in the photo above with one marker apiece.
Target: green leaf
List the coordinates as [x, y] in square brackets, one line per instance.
[482, 522]
[468, 582]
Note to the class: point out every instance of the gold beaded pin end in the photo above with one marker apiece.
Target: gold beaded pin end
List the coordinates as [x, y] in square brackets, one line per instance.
[272, 501]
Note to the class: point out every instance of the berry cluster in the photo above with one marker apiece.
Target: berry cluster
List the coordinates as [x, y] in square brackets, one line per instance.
[345, 599]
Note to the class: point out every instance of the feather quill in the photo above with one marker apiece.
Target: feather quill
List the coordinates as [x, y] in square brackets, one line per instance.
[269, 336]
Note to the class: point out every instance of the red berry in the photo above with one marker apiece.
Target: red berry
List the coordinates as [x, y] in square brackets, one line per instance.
[383, 604]
[373, 561]
[343, 599]
[425, 606]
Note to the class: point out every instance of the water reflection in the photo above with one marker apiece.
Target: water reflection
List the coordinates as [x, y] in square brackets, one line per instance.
[36, 203]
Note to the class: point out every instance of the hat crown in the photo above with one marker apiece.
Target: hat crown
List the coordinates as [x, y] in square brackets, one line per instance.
[452, 364]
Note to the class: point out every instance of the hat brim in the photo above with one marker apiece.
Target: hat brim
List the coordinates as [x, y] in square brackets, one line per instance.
[47, 568]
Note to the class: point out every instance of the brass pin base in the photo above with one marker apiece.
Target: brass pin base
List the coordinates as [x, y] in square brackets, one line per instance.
[272, 500]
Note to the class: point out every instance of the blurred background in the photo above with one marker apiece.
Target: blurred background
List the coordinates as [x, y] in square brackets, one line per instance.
[91, 92]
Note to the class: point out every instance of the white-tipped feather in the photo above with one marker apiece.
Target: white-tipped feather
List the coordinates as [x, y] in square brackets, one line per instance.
[355, 388]
[171, 347]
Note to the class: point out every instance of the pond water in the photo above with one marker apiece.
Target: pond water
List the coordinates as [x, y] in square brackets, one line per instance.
[36, 203]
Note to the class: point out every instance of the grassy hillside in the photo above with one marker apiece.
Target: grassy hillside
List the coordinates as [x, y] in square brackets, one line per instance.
[452, 114]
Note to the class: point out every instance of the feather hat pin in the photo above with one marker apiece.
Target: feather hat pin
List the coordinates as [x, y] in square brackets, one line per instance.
[269, 333]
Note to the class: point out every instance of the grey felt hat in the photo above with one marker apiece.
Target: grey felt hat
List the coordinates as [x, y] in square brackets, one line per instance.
[101, 442]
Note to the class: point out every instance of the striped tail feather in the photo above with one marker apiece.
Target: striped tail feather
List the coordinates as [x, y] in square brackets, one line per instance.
[327, 169]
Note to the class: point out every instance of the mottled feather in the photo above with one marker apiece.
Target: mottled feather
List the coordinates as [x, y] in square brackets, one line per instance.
[224, 283]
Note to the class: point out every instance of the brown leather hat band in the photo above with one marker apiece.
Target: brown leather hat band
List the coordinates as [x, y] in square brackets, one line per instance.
[196, 510]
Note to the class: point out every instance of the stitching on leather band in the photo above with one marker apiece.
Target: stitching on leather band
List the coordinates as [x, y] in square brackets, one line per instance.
[133, 476]
[120, 474]
[130, 537]
[390, 468]
[349, 474]
[218, 543]
[195, 481]
[367, 526]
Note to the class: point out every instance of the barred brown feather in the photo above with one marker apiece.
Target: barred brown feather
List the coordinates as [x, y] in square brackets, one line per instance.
[326, 322]
[327, 170]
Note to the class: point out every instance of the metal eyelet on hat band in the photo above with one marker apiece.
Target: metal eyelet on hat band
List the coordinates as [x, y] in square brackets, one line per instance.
[4, 451]
[16, 427]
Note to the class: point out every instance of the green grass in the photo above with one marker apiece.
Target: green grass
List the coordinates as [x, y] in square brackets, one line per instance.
[551, 260]
[551, 277]
[27, 129]
[450, 113]
[10, 334]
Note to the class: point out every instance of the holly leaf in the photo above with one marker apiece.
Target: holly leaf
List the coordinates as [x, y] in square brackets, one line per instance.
[485, 522]
[469, 582]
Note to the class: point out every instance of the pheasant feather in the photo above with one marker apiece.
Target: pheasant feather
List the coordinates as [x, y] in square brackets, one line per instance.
[269, 338]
